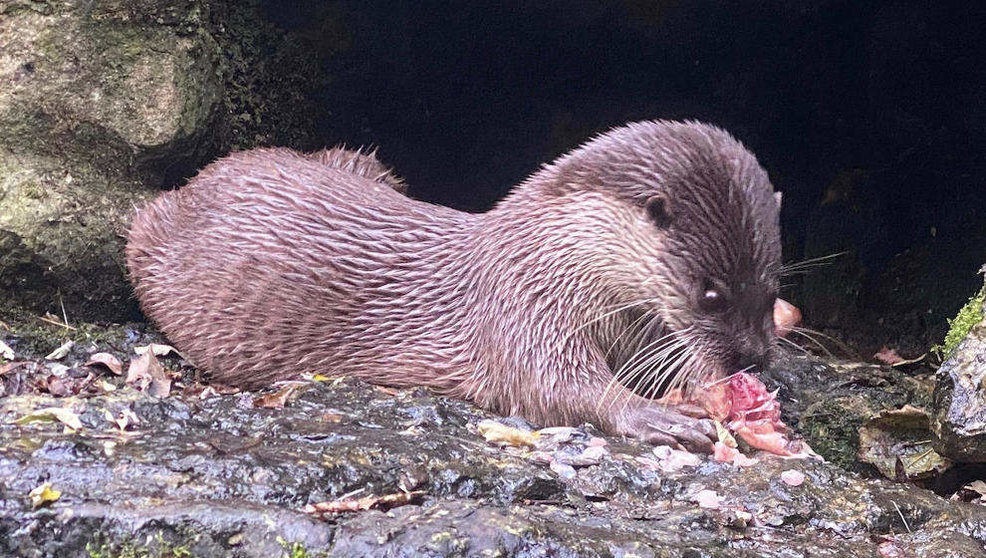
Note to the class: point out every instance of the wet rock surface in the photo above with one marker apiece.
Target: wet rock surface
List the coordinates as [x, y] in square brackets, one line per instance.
[959, 406]
[829, 400]
[215, 475]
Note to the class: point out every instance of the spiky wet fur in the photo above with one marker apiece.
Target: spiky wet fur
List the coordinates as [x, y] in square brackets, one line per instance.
[272, 263]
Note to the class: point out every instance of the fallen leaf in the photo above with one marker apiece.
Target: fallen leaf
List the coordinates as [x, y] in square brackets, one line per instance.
[44, 495]
[6, 352]
[157, 349]
[505, 435]
[57, 387]
[147, 374]
[11, 366]
[61, 414]
[109, 361]
[61, 351]
[203, 391]
[972, 492]
[898, 443]
[278, 399]
[977, 486]
[737, 519]
[329, 416]
[384, 502]
[125, 418]
[887, 355]
[890, 356]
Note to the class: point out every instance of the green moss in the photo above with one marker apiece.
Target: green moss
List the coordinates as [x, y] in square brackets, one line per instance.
[292, 550]
[162, 549]
[970, 315]
[831, 427]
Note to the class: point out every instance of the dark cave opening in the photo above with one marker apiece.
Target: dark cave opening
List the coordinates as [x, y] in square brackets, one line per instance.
[868, 116]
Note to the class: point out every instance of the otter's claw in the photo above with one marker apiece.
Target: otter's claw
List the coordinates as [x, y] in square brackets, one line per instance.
[660, 425]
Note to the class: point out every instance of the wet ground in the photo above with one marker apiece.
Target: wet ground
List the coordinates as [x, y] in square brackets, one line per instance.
[210, 471]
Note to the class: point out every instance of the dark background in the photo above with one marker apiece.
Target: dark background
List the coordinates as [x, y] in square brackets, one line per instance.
[869, 116]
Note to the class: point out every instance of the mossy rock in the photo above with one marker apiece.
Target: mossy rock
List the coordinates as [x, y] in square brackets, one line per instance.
[102, 105]
[970, 315]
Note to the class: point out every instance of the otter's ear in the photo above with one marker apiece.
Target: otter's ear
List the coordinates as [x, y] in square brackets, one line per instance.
[659, 210]
[777, 198]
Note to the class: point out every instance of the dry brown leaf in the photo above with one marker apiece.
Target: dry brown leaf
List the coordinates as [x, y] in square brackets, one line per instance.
[890, 356]
[972, 492]
[57, 387]
[384, 502]
[278, 399]
[109, 361]
[147, 374]
[125, 418]
[977, 486]
[11, 366]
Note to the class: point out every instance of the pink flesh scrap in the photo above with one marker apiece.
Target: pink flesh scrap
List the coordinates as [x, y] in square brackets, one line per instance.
[743, 404]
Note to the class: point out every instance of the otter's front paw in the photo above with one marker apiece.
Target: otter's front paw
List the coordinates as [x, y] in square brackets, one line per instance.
[660, 425]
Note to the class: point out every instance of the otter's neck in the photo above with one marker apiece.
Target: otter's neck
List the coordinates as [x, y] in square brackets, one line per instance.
[533, 297]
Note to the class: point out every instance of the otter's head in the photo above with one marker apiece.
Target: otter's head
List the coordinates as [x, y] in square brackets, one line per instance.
[687, 224]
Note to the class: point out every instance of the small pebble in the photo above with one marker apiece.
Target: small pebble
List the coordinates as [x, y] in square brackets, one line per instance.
[792, 477]
[563, 470]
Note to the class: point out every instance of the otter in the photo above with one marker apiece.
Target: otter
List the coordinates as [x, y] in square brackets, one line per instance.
[645, 259]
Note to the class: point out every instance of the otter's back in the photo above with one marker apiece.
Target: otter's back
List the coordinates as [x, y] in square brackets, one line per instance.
[269, 255]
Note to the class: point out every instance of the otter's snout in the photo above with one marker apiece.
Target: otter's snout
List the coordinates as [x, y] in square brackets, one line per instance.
[751, 354]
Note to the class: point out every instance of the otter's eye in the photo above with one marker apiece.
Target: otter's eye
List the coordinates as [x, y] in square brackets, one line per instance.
[712, 300]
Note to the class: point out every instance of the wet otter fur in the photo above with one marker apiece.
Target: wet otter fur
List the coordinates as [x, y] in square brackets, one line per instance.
[646, 258]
